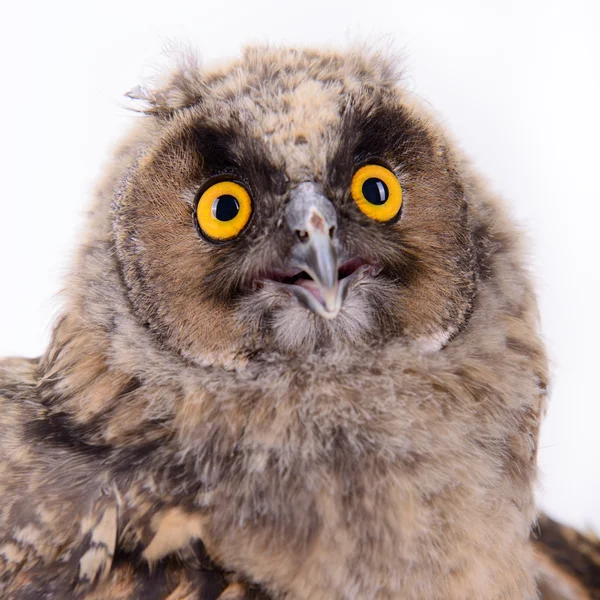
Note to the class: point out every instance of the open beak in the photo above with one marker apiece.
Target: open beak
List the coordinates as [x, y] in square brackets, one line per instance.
[314, 274]
[311, 217]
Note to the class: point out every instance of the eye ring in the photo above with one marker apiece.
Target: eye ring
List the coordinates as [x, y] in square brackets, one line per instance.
[223, 210]
[377, 192]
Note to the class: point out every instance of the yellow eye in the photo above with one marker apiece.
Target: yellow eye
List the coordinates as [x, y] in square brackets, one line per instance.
[223, 210]
[377, 192]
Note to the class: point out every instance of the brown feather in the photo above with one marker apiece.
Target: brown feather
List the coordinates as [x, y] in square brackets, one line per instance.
[387, 453]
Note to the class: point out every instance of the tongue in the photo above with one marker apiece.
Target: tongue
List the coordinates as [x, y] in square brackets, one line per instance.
[312, 287]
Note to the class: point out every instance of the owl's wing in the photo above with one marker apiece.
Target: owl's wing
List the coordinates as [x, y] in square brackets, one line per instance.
[568, 562]
[171, 580]
[52, 539]
[59, 531]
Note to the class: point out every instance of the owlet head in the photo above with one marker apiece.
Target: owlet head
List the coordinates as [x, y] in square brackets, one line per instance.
[291, 201]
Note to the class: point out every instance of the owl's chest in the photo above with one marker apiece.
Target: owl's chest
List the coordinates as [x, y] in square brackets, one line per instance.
[351, 495]
[368, 525]
[364, 447]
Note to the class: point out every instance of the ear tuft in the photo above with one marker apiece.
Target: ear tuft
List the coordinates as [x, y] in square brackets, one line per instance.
[180, 85]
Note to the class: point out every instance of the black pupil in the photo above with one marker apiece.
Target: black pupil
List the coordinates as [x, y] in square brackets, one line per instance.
[375, 191]
[226, 207]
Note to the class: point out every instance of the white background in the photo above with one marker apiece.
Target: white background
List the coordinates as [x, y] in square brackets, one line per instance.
[517, 81]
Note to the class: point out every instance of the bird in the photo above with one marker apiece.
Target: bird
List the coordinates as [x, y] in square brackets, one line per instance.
[298, 357]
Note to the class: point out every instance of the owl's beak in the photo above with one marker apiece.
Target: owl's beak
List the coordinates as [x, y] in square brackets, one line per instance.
[312, 218]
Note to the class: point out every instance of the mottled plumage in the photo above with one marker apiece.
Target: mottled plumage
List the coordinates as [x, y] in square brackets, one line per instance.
[193, 424]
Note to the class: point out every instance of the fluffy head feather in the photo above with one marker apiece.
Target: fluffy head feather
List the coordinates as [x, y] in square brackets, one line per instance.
[275, 119]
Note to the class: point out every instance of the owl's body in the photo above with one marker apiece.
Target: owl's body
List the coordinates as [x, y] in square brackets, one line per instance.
[191, 406]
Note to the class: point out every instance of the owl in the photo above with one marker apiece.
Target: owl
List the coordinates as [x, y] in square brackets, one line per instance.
[298, 358]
